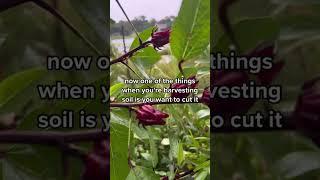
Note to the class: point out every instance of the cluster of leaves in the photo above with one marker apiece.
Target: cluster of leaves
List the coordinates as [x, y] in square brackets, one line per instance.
[271, 155]
[181, 147]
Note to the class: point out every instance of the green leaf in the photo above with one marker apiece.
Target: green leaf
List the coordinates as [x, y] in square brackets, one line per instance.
[34, 160]
[144, 35]
[174, 145]
[249, 32]
[188, 72]
[298, 163]
[153, 150]
[118, 151]
[146, 57]
[191, 30]
[142, 173]
[13, 85]
[203, 174]
[115, 89]
[95, 14]
[204, 165]
[203, 113]
[180, 157]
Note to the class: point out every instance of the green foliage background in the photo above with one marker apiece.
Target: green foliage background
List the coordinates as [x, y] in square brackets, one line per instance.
[28, 34]
[294, 25]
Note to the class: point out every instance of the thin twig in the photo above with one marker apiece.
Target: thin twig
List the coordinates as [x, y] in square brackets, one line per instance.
[123, 40]
[134, 28]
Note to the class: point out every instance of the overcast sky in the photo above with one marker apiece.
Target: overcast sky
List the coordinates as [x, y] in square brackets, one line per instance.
[157, 9]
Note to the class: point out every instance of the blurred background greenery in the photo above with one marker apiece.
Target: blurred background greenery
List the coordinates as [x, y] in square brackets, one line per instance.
[28, 34]
[294, 25]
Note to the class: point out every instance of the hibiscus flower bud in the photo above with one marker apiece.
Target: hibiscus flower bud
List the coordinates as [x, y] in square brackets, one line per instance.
[183, 86]
[205, 99]
[307, 115]
[149, 116]
[97, 162]
[161, 38]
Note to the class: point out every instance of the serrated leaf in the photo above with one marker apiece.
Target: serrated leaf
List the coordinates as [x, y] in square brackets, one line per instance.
[191, 30]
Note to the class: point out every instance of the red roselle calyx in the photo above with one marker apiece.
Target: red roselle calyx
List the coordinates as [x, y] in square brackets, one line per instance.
[229, 107]
[183, 86]
[149, 116]
[205, 99]
[307, 115]
[161, 38]
[97, 162]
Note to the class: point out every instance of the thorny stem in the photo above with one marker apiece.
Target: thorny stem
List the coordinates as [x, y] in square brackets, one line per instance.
[130, 53]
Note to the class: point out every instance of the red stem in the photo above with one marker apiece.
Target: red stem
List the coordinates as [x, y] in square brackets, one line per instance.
[130, 53]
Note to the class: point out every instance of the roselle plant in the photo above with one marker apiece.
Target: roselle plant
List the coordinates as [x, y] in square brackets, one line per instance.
[175, 140]
[162, 136]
